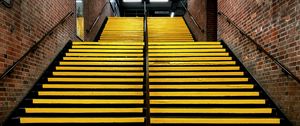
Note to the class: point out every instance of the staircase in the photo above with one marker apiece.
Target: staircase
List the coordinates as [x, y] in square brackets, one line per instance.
[191, 83]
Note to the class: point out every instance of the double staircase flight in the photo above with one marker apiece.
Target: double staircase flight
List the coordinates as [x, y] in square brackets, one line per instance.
[190, 83]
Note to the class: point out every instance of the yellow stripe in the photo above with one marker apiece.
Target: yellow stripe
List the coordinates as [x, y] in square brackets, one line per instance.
[193, 68]
[100, 63]
[107, 47]
[104, 54]
[204, 86]
[98, 74]
[184, 47]
[188, 54]
[90, 93]
[187, 50]
[193, 63]
[81, 120]
[198, 79]
[189, 58]
[196, 73]
[208, 101]
[184, 43]
[87, 101]
[215, 120]
[103, 59]
[101, 68]
[204, 93]
[92, 86]
[212, 110]
[83, 110]
[105, 50]
[107, 43]
[95, 79]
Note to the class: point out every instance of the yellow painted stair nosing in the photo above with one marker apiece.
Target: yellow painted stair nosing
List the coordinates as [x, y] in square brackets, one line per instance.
[203, 86]
[87, 101]
[156, 120]
[207, 101]
[31, 120]
[98, 73]
[223, 93]
[196, 73]
[212, 110]
[92, 86]
[83, 110]
[90, 93]
[198, 80]
[52, 79]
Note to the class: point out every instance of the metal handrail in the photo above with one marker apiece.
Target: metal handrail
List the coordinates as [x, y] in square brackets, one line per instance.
[146, 68]
[260, 48]
[98, 17]
[35, 46]
[192, 17]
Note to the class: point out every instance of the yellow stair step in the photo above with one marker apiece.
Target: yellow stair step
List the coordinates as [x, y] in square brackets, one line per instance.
[103, 59]
[105, 50]
[184, 43]
[207, 101]
[107, 47]
[100, 68]
[185, 47]
[198, 80]
[189, 58]
[92, 86]
[202, 93]
[105, 54]
[188, 54]
[83, 110]
[52, 79]
[196, 73]
[98, 74]
[87, 101]
[107, 43]
[186, 50]
[203, 86]
[101, 63]
[213, 110]
[193, 68]
[29, 120]
[156, 120]
[193, 63]
[90, 93]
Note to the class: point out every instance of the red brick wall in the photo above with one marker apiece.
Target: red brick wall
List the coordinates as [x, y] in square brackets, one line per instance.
[274, 24]
[30, 19]
[92, 8]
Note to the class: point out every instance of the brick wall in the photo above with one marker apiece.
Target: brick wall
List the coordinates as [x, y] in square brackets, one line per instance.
[92, 8]
[274, 24]
[20, 27]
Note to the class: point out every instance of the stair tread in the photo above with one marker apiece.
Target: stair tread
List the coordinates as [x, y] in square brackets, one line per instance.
[100, 68]
[211, 110]
[198, 79]
[93, 86]
[202, 93]
[83, 110]
[81, 120]
[196, 73]
[204, 86]
[52, 79]
[90, 93]
[88, 101]
[207, 101]
[98, 73]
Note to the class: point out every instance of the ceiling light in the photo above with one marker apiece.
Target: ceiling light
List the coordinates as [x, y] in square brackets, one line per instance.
[159, 0]
[132, 0]
[172, 14]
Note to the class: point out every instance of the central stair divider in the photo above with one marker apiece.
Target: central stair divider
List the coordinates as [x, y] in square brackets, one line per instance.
[146, 69]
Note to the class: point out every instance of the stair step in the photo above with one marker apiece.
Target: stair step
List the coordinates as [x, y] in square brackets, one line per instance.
[188, 54]
[107, 47]
[102, 59]
[186, 47]
[193, 68]
[95, 79]
[188, 58]
[105, 54]
[92, 86]
[83, 110]
[208, 94]
[192, 63]
[24, 120]
[108, 43]
[140, 74]
[102, 63]
[198, 80]
[156, 120]
[90, 93]
[88, 101]
[187, 50]
[196, 73]
[204, 86]
[208, 101]
[184, 43]
[100, 68]
[213, 110]
[106, 50]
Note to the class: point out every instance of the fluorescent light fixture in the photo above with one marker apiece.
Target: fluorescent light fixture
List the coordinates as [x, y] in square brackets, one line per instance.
[78, 1]
[172, 14]
[159, 0]
[132, 1]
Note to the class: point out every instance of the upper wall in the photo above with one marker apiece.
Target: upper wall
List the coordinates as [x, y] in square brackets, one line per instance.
[275, 25]
[92, 9]
[20, 27]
